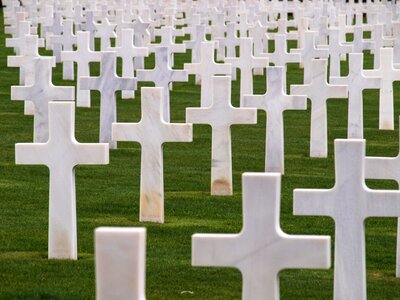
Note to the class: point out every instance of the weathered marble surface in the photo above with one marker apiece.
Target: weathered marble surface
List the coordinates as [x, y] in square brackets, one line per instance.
[261, 250]
[151, 174]
[108, 83]
[120, 263]
[274, 102]
[319, 91]
[41, 91]
[349, 203]
[221, 115]
[61, 154]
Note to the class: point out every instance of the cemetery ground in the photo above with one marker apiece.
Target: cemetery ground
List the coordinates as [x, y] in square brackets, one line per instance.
[109, 196]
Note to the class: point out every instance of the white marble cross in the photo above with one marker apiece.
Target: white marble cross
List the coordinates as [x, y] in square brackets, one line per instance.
[274, 102]
[246, 62]
[67, 41]
[82, 56]
[151, 132]
[120, 263]
[227, 45]
[89, 26]
[319, 91]
[280, 57]
[108, 83]
[356, 82]
[128, 53]
[261, 250]
[349, 203]
[337, 51]
[388, 73]
[168, 40]
[162, 75]
[359, 43]
[207, 68]
[386, 168]
[105, 31]
[380, 41]
[61, 154]
[41, 91]
[221, 115]
[308, 53]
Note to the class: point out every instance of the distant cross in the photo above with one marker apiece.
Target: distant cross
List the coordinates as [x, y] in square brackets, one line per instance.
[356, 82]
[120, 263]
[226, 45]
[261, 250]
[280, 57]
[207, 68]
[61, 154]
[221, 115]
[41, 91]
[82, 56]
[246, 62]
[162, 75]
[274, 102]
[128, 53]
[349, 203]
[107, 84]
[105, 31]
[151, 132]
[389, 74]
[89, 26]
[380, 42]
[359, 43]
[386, 168]
[319, 91]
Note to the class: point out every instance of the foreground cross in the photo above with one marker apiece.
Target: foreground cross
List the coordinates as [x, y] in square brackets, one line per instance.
[386, 168]
[261, 250]
[274, 102]
[61, 154]
[120, 263]
[151, 132]
[108, 83]
[349, 203]
[221, 115]
[319, 91]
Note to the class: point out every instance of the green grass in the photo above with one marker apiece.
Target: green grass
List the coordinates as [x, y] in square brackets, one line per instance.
[109, 196]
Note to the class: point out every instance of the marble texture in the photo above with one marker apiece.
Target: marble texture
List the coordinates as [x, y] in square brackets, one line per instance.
[41, 91]
[308, 53]
[388, 74]
[152, 174]
[83, 56]
[356, 82]
[163, 75]
[261, 250]
[387, 168]
[207, 68]
[61, 154]
[120, 263]
[107, 84]
[221, 115]
[246, 62]
[319, 91]
[274, 102]
[349, 203]
[128, 53]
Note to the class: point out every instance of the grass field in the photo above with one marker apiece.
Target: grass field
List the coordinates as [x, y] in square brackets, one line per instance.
[109, 196]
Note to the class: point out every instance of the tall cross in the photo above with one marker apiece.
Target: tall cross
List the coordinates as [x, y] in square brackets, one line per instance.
[261, 250]
[61, 154]
[41, 91]
[152, 132]
[107, 84]
[246, 62]
[274, 102]
[221, 115]
[83, 56]
[207, 68]
[387, 168]
[356, 82]
[389, 74]
[349, 203]
[319, 91]
[120, 263]
[162, 75]
[128, 53]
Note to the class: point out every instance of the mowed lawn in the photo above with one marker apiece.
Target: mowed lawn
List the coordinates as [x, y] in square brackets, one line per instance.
[109, 196]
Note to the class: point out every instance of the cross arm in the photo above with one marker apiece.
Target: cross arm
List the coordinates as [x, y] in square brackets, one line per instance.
[295, 102]
[299, 89]
[125, 132]
[382, 168]
[383, 203]
[20, 92]
[192, 68]
[31, 154]
[64, 93]
[198, 115]
[256, 101]
[89, 83]
[312, 202]
[177, 132]
[92, 154]
[338, 91]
